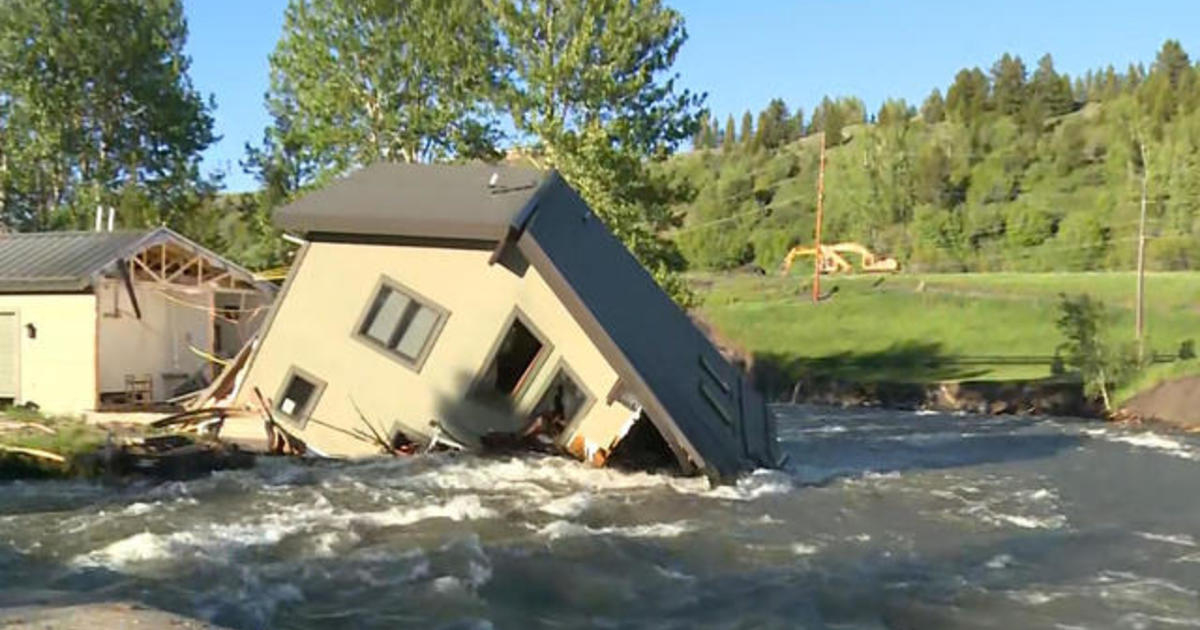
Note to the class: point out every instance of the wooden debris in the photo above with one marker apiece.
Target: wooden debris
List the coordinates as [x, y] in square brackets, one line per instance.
[377, 438]
[34, 452]
[280, 441]
[6, 425]
[224, 385]
[190, 418]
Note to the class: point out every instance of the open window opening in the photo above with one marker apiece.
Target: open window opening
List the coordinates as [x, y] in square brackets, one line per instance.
[513, 364]
[562, 402]
[644, 449]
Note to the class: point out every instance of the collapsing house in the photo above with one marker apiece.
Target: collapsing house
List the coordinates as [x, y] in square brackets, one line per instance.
[107, 320]
[474, 299]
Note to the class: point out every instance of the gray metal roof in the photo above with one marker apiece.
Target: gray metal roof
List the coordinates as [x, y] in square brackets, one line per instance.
[53, 262]
[417, 201]
[58, 261]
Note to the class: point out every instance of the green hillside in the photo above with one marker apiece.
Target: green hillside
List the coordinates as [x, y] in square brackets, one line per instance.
[1011, 171]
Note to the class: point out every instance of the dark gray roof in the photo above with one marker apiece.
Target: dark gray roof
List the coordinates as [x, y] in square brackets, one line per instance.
[58, 261]
[416, 200]
[703, 406]
[51, 262]
[693, 395]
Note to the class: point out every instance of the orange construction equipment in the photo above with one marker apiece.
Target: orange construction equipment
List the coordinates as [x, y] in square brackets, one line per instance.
[831, 259]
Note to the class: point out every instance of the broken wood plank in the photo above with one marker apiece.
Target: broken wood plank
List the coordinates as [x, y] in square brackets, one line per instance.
[34, 452]
[188, 417]
[6, 425]
[291, 443]
[384, 444]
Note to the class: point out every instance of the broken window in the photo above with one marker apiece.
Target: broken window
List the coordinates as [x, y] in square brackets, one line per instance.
[514, 361]
[643, 448]
[561, 402]
[402, 324]
[299, 396]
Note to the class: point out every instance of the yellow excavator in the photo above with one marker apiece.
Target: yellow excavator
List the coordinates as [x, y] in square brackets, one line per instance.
[831, 259]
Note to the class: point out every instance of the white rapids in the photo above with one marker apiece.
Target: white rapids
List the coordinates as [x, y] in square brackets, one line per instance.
[882, 519]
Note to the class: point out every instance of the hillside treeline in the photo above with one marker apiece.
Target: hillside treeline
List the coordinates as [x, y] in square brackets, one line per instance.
[1007, 169]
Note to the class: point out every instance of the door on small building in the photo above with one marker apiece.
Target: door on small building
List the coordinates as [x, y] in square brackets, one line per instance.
[10, 345]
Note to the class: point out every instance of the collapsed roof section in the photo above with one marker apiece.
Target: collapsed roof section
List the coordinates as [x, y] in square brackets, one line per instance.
[708, 412]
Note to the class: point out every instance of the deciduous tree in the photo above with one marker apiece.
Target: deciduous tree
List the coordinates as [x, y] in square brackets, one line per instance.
[96, 108]
[591, 85]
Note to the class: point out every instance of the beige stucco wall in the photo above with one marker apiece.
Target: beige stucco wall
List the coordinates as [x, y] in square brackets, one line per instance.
[156, 344]
[57, 369]
[313, 330]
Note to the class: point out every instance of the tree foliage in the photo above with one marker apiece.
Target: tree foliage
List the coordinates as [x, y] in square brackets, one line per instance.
[582, 87]
[360, 82]
[589, 84]
[1008, 172]
[1082, 321]
[96, 109]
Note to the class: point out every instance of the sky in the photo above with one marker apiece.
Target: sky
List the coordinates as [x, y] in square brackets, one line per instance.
[745, 52]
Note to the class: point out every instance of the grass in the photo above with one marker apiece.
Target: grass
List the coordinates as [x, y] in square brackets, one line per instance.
[921, 328]
[71, 437]
[1153, 376]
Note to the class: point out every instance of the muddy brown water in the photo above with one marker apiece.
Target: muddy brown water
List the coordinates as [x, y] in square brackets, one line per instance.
[882, 520]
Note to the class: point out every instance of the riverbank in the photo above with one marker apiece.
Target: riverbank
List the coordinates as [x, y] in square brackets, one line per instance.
[92, 616]
[978, 343]
[33, 446]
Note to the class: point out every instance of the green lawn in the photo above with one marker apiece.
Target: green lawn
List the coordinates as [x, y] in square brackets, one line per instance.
[913, 327]
[71, 437]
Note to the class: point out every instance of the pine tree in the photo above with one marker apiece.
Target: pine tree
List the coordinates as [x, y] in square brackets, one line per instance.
[774, 125]
[729, 138]
[933, 110]
[966, 100]
[1112, 83]
[1051, 92]
[1172, 61]
[1008, 85]
[747, 132]
[699, 139]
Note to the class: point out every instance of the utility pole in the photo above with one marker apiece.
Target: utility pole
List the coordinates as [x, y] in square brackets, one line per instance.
[819, 257]
[1140, 318]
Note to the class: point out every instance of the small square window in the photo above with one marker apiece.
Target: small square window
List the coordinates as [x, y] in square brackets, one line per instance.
[401, 323]
[298, 396]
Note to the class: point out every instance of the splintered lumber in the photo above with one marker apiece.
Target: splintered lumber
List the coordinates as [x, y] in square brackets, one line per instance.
[17, 426]
[226, 381]
[34, 452]
[280, 441]
[188, 418]
[378, 439]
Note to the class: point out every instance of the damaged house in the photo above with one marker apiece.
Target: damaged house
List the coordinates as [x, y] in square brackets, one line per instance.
[117, 320]
[475, 299]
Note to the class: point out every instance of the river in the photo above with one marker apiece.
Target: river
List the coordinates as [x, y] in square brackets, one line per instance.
[882, 519]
